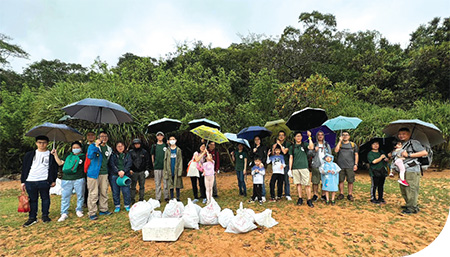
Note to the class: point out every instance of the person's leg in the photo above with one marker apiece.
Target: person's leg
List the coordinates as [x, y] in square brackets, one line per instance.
[165, 188]
[412, 191]
[209, 182]
[305, 181]
[381, 189]
[126, 196]
[327, 195]
[401, 168]
[178, 193]
[272, 186]
[33, 195]
[308, 192]
[66, 193]
[115, 192]
[79, 185]
[263, 186]
[315, 181]
[141, 179]
[93, 196]
[194, 187]
[299, 190]
[103, 193]
[134, 181]
[342, 175]
[215, 193]
[44, 192]
[255, 194]
[333, 194]
[372, 195]
[158, 178]
[373, 189]
[280, 181]
[259, 192]
[350, 181]
[238, 176]
[287, 189]
[350, 188]
[201, 182]
[171, 193]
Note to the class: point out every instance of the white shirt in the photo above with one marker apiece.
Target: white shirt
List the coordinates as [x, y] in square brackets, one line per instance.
[39, 167]
[321, 152]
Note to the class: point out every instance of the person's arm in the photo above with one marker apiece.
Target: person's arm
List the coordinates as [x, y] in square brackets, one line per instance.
[245, 165]
[127, 164]
[321, 170]
[338, 146]
[377, 160]
[415, 155]
[262, 171]
[93, 151]
[233, 159]
[55, 154]
[268, 159]
[112, 165]
[284, 150]
[291, 161]
[310, 142]
[355, 167]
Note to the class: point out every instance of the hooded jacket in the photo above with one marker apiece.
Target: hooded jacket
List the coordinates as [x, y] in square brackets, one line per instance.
[316, 162]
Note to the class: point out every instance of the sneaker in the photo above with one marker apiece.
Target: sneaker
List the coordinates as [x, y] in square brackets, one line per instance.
[300, 201]
[373, 200]
[195, 200]
[29, 222]
[263, 199]
[204, 200]
[63, 217]
[272, 200]
[117, 209]
[350, 198]
[314, 198]
[382, 201]
[46, 219]
[403, 182]
[333, 203]
[407, 211]
[391, 174]
[178, 200]
[324, 198]
[80, 214]
[166, 199]
[93, 217]
[260, 202]
[251, 201]
[127, 208]
[310, 203]
[328, 202]
[288, 197]
[340, 197]
[278, 198]
[106, 213]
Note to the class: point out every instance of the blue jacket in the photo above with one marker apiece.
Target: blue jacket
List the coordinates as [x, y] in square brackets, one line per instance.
[113, 161]
[96, 157]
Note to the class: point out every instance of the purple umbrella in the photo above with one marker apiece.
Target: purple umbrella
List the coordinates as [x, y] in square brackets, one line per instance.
[329, 134]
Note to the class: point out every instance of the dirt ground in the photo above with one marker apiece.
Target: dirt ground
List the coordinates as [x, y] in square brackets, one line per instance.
[350, 228]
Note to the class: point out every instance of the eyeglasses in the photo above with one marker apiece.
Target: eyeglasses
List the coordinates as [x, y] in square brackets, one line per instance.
[103, 136]
[42, 142]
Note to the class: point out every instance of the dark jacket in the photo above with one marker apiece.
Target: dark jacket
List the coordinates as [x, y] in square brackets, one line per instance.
[113, 164]
[216, 159]
[28, 161]
[140, 160]
[261, 152]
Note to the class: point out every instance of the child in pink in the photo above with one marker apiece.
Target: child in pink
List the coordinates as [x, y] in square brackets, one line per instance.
[208, 173]
[398, 162]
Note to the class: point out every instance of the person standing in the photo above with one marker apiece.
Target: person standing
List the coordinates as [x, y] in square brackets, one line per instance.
[157, 152]
[90, 139]
[258, 172]
[173, 168]
[347, 160]
[39, 172]
[321, 148]
[260, 151]
[284, 146]
[216, 158]
[119, 166]
[278, 165]
[140, 163]
[377, 171]
[298, 166]
[239, 157]
[198, 159]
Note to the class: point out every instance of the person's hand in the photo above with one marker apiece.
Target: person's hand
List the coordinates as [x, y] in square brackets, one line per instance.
[282, 166]
[386, 159]
[332, 172]
[254, 150]
[383, 156]
[132, 172]
[269, 152]
[53, 152]
[53, 184]
[341, 138]
[329, 171]
[121, 173]
[290, 174]
[355, 167]
[22, 187]
[317, 148]
[261, 165]
[98, 142]
[308, 133]
[405, 154]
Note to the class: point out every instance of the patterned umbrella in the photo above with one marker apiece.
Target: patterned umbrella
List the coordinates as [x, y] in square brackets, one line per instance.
[210, 134]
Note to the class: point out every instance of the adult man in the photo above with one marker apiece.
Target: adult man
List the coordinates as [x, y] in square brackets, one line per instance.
[348, 162]
[173, 168]
[97, 176]
[157, 152]
[39, 172]
[140, 163]
[414, 150]
[298, 166]
[321, 147]
[284, 145]
[216, 157]
[90, 139]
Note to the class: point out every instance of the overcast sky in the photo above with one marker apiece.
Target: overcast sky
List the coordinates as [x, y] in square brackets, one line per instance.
[80, 31]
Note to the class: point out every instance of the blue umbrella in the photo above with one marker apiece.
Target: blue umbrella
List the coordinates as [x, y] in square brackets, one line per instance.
[424, 132]
[98, 111]
[342, 123]
[165, 125]
[329, 134]
[233, 137]
[251, 132]
[196, 123]
[57, 132]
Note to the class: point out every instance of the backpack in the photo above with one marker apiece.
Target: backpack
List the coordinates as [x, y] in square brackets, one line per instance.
[425, 161]
[71, 164]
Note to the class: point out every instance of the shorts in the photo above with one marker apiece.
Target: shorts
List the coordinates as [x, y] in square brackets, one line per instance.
[315, 176]
[349, 173]
[301, 176]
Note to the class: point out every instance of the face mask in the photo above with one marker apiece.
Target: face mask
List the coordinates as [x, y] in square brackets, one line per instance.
[172, 142]
[76, 151]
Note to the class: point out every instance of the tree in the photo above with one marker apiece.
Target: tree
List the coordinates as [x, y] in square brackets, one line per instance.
[9, 50]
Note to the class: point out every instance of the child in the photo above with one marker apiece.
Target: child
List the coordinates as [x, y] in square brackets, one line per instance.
[278, 165]
[240, 158]
[330, 177]
[398, 162]
[258, 172]
[208, 172]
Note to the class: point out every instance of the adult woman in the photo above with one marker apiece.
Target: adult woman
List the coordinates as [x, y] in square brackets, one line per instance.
[73, 178]
[377, 171]
[119, 166]
[197, 161]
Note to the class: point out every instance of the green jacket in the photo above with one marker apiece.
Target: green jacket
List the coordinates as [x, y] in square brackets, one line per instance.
[167, 172]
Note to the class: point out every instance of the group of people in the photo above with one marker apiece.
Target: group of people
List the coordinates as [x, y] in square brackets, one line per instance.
[90, 168]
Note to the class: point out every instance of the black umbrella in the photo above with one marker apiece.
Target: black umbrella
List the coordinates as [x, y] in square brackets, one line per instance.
[55, 132]
[165, 125]
[307, 118]
[386, 146]
[209, 123]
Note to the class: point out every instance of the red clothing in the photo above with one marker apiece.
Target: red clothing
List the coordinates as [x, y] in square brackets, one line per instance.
[215, 155]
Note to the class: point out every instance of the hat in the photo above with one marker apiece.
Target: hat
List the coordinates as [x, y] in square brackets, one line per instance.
[159, 132]
[136, 141]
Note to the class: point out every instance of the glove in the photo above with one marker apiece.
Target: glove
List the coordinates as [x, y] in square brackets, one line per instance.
[290, 174]
[146, 173]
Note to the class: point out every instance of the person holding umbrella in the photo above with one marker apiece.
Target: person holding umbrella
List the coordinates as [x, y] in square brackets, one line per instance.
[347, 160]
[157, 152]
[321, 148]
[39, 172]
[173, 168]
[284, 146]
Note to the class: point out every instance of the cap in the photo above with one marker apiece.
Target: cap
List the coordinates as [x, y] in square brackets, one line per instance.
[136, 141]
[159, 132]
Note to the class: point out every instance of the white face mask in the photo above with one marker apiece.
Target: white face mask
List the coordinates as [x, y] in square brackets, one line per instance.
[172, 142]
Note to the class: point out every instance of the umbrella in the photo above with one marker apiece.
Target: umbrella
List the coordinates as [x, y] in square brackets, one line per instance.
[251, 132]
[233, 137]
[210, 134]
[165, 125]
[57, 132]
[306, 119]
[424, 132]
[195, 123]
[342, 123]
[98, 111]
[329, 134]
[386, 146]
[277, 126]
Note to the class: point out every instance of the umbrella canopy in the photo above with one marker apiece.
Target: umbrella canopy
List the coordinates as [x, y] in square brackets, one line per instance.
[210, 134]
[98, 111]
[233, 138]
[329, 134]
[165, 125]
[195, 123]
[55, 132]
[307, 118]
[277, 126]
[251, 132]
[342, 123]
[424, 132]
[386, 146]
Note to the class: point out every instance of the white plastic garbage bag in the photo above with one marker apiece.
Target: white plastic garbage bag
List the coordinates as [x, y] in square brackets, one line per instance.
[249, 213]
[155, 215]
[209, 215]
[173, 209]
[140, 214]
[241, 223]
[190, 215]
[154, 203]
[57, 189]
[225, 217]
[265, 219]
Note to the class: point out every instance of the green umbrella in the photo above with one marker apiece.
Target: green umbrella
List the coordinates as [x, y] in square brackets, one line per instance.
[277, 126]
